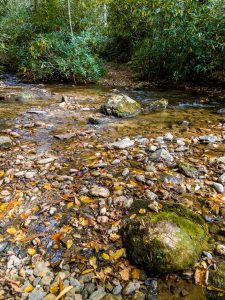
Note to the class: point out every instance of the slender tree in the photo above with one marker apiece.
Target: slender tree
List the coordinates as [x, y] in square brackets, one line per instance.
[69, 15]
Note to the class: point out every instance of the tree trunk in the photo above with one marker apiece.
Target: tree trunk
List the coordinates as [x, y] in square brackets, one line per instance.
[69, 15]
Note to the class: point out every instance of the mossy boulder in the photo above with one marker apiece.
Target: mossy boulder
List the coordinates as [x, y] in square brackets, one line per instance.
[5, 142]
[164, 242]
[121, 106]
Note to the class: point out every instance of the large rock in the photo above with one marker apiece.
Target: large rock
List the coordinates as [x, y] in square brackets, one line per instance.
[5, 142]
[121, 106]
[122, 144]
[163, 242]
[188, 170]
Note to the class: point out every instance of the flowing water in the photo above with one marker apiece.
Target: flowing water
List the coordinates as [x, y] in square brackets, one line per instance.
[198, 109]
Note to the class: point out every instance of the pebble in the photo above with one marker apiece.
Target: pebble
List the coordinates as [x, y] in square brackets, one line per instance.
[131, 287]
[168, 136]
[140, 178]
[45, 161]
[125, 172]
[161, 155]
[150, 195]
[13, 261]
[220, 249]
[123, 144]
[222, 178]
[99, 191]
[98, 295]
[117, 289]
[116, 161]
[218, 187]
[30, 175]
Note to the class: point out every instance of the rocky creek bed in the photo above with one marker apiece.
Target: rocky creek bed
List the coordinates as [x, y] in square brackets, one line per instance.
[68, 186]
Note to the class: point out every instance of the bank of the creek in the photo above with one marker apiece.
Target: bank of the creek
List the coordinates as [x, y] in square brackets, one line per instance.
[64, 190]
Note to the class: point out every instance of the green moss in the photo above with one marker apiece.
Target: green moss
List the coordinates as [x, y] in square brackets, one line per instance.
[168, 241]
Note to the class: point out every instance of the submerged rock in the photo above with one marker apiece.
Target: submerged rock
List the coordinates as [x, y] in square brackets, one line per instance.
[5, 142]
[25, 96]
[121, 106]
[159, 104]
[188, 170]
[168, 241]
[216, 277]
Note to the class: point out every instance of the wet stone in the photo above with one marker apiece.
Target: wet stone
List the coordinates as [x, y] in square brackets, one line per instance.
[123, 144]
[161, 155]
[98, 295]
[99, 191]
[131, 287]
[218, 187]
[5, 142]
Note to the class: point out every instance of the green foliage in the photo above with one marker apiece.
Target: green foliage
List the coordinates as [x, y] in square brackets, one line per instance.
[35, 40]
[176, 39]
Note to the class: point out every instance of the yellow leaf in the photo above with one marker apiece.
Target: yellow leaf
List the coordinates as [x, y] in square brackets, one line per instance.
[86, 199]
[54, 288]
[2, 173]
[47, 186]
[133, 183]
[28, 289]
[124, 274]
[136, 273]
[31, 251]
[105, 256]
[118, 253]
[93, 262]
[11, 230]
[70, 204]
[87, 271]
[142, 211]
[69, 244]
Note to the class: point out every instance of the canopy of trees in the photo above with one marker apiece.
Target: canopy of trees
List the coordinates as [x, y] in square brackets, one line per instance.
[69, 39]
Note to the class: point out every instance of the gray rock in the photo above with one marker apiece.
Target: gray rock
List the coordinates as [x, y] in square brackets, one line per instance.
[3, 246]
[36, 112]
[117, 289]
[125, 172]
[221, 111]
[222, 178]
[37, 294]
[123, 144]
[5, 142]
[161, 155]
[13, 261]
[121, 106]
[98, 295]
[99, 191]
[131, 287]
[218, 187]
[116, 161]
[86, 278]
[140, 178]
[150, 195]
[188, 169]
[208, 139]
[95, 121]
[168, 178]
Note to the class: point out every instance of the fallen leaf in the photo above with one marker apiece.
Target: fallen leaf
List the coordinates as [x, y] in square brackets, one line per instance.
[124, 274]
[142, 211]
[12, 230]
[200, 276]
[118, 253]
[86, 199]
[64, 291]
[69, 244]
[105, 256]
[31, 251]
[136, 273]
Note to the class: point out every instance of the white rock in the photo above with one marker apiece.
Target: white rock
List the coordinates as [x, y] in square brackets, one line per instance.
[218, 187]
[99, 191]
[30, 175]
[45, 161]
[123, 144]
[220, 249]
[168, 136]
